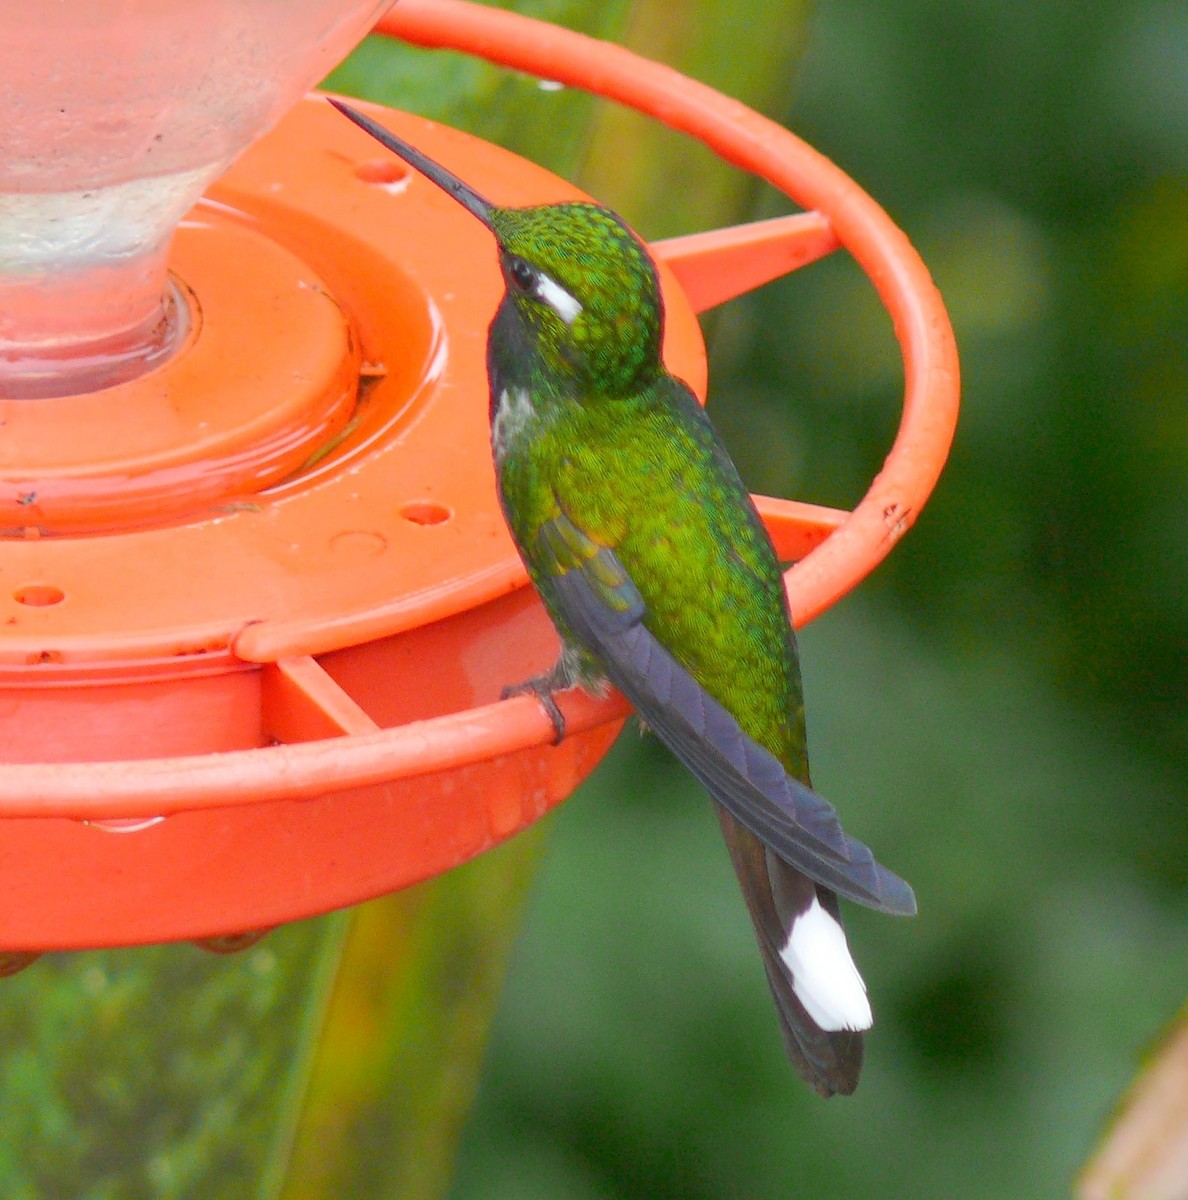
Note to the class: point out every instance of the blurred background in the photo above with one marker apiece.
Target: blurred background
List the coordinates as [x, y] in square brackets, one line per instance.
[1000, 711]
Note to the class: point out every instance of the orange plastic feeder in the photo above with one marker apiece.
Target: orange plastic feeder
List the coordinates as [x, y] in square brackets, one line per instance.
[257, 601]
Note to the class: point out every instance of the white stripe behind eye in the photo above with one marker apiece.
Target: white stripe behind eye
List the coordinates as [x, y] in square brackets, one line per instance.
[558, 299]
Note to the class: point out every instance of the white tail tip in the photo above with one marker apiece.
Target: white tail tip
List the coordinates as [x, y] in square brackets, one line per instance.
[824, 977]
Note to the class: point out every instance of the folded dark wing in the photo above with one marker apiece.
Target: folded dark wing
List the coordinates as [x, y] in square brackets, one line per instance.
[602, 608]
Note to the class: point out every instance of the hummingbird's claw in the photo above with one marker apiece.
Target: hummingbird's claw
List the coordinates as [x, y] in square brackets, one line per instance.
[540, 686]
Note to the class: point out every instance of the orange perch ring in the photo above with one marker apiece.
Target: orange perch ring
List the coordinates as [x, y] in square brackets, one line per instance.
[308, 766]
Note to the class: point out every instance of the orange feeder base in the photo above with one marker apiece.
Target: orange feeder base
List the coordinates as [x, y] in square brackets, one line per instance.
[257, 607]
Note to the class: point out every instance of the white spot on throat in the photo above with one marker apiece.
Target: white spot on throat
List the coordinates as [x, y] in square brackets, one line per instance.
[513, 413]
[558, 299]
[824, 977]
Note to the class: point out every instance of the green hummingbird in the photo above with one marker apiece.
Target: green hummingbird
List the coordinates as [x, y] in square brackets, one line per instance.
[649, 556]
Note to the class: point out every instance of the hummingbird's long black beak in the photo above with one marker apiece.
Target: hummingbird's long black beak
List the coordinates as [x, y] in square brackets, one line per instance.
[448, 182]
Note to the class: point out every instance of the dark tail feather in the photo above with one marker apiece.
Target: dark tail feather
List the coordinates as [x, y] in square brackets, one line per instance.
[829, 1060]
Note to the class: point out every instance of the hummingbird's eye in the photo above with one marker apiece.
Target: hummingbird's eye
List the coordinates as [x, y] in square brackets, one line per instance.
[522, 275]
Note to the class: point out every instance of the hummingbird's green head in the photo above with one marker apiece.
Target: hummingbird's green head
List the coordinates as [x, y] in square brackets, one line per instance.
[582, 286]
[585, 292]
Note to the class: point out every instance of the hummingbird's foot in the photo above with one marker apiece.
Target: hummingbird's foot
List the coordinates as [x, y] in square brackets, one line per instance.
[573, 668]
[542, 687]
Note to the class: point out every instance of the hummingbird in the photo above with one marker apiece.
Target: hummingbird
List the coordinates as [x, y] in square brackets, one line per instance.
[650, 558]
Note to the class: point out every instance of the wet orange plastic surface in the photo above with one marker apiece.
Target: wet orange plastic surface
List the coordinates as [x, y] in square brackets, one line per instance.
[277, 604]
[237, 409]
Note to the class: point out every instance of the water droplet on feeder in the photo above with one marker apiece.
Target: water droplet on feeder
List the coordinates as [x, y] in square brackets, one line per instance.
[125, 824]
[232, 943]
[12, 961]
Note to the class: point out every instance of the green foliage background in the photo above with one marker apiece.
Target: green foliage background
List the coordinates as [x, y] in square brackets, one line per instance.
[1000, 711]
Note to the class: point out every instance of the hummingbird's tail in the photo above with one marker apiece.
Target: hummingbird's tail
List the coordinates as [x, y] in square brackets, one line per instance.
[819, 995]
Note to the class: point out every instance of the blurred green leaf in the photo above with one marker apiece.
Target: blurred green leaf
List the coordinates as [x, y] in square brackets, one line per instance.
[162, 1072]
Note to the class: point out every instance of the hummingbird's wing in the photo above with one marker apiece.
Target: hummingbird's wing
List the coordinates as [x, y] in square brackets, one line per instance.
[603, 610]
